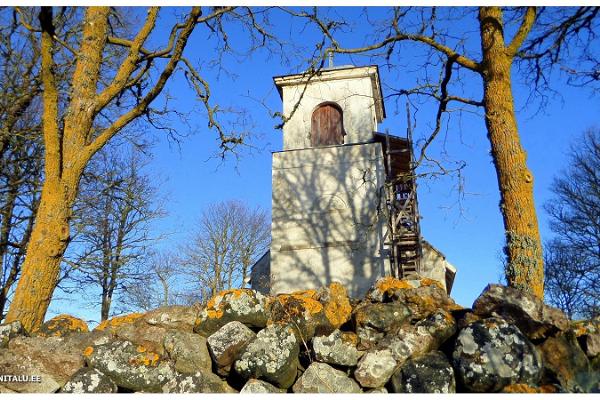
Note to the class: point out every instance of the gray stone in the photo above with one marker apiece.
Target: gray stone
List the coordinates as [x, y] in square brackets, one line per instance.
[258, 386]
[375, 368]
[89, 380]
[323, 378]
[228, 342]
[130, 366]
[243, 305]
[491, 354]
[9, 331]
[373, 321]
[430, 373]
[377, 390]
[535, 319]
[272, 356]
[188, 350]
[199, 382]
[426, 335]
[339, 348]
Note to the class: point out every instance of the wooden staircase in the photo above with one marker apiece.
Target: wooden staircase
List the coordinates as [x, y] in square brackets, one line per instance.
[403, 237]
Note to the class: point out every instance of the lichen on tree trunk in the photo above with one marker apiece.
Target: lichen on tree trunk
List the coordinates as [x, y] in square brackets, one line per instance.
[525, 269]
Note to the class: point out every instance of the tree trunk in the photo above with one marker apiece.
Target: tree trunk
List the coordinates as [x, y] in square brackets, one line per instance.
[525, 269]
[49, 239]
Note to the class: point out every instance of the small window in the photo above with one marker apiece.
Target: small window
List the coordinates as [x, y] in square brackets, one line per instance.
[327, 126]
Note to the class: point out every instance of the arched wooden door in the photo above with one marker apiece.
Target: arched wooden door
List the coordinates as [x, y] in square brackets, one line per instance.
[327, 126]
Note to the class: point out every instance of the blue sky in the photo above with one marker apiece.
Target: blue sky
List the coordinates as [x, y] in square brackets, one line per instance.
[470, 234]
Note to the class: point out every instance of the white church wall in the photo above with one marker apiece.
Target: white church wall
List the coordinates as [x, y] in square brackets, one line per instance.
[325, 224]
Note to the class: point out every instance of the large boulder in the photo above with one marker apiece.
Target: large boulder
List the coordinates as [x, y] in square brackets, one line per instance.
[312, 312]
[339, 348]
[422, 296]
[565, 362]
[9, 331]
[53, 359]
[258, 386]
[491, 354]
[112, 325]
[374, 320]
[522, 309]
[228, 342]
[188, 350]
[430, 373]
[198, 382]
[62, 325]
[323, 378]
[271, 356]
[588, 335]
[414, 340]
[375, 368]
[243, 305]
[181, 318]
[130, 366]
[89, 380]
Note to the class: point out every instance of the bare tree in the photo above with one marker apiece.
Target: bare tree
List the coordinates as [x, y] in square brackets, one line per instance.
[537, 40]
[114, 209]
[229, 238]
[160, 285]
[573, 257]
[117, 75]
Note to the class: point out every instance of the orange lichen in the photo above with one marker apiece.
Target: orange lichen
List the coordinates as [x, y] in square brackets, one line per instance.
[88, 351]
[62, 324]
[147, 358]
[214, 308]
[338, 309]
[524, 388]
[390, 283]
[118, 321]
[294, 301]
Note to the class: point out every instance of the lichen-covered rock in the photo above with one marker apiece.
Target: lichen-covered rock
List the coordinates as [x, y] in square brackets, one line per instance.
[199, 382]
[323, 378]
[21, 365]
[62, 325]
[243, 305]
[534, 318]
[523, 388]
[339, 348]
[112, 324]
[491, 354]
[336, 303]
[375, 368]
[311, 312]
[152, 337]
[53, 359]
[271, 356]
[188, 350]
[130, 366]
[430, 373]
[258, 386]
[89, 380]
[181, 318]
[426, 335]
[422, 296]
[565, 361]
[373, 321]
[588, 335]
[228, 342]
[9, 331]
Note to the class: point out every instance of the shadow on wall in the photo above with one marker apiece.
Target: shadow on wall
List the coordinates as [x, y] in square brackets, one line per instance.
[328, 221]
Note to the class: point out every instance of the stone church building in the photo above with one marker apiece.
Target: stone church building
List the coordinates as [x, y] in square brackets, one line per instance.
[344, 204]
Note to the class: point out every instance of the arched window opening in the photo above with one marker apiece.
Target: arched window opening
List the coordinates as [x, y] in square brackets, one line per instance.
[327, 125]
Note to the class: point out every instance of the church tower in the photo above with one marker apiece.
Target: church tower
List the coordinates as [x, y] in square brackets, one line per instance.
[331, 188]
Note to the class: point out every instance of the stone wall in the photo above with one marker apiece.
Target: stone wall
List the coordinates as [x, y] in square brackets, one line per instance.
[401, 337]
